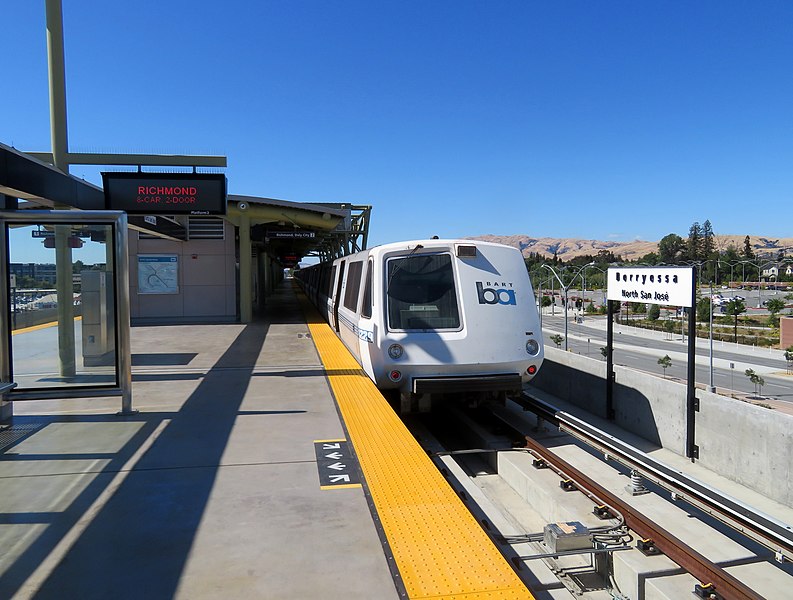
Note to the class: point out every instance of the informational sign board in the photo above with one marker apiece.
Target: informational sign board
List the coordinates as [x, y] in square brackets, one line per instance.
[277, 234]
[158, 274]
[667, 286]
[166, 193]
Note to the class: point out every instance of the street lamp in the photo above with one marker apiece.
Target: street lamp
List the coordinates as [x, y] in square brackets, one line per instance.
[757, 266]
[540, 296]
[565, 288]
[711, 388]
[583, 292]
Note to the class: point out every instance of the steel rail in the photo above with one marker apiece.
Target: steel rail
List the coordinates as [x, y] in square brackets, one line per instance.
[771, 533]
[689, 559]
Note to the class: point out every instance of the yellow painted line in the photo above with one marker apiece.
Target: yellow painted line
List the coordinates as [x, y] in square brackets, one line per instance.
[340, 487]
[329, 441]
[440, 549]
[41, 326]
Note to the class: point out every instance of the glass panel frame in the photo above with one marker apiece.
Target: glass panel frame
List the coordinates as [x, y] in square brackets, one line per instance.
[115, 223]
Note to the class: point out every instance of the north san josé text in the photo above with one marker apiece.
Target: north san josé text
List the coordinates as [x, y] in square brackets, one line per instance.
[646, 295]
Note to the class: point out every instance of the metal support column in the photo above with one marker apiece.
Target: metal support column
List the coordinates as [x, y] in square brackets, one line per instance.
[610, 413]
[692, 403]
[246, 276]
[122, 332]
[6, 408]
[65, 293]
[57, 82]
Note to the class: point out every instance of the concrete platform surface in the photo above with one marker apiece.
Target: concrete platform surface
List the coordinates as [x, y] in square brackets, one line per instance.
[211, 490]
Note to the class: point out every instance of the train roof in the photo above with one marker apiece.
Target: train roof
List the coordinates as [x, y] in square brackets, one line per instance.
[432, 242]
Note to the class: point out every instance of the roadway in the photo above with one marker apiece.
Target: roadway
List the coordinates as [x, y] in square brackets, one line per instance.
[640, 349]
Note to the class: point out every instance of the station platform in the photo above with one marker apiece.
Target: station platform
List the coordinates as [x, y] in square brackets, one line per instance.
[253, 469]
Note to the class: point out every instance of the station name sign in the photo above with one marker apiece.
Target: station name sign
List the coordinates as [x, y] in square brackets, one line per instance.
[669, 286]
[166, 193]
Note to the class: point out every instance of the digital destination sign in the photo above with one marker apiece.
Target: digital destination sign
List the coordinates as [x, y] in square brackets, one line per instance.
[166, 193]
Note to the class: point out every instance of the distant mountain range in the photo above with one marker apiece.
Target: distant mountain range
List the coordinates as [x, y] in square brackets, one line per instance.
[569, 248]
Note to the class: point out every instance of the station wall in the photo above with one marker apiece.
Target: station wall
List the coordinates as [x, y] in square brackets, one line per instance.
[748, 444]
[206, 280]
[785, 332]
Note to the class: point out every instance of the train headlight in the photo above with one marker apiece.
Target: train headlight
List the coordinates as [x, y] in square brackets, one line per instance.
[395, 375]
[531, 370]
[533, 347]
[395, 351]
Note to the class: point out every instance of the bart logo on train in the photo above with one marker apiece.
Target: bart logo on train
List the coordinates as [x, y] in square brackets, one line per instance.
[493, 295]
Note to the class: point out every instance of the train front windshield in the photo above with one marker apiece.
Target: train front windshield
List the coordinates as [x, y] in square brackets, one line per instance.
[421, 293]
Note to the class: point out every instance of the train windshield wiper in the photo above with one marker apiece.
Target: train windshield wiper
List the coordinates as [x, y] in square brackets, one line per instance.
[398, 268]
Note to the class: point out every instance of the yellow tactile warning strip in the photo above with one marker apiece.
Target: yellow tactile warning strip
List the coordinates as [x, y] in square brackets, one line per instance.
[440, 549]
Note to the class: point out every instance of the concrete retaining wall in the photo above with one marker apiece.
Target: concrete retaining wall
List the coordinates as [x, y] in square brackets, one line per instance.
[745, 443]
[30, 318]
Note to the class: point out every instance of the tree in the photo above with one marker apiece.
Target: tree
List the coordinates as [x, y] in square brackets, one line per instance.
[731, 257]
[748, 252]
[708, 240]
[669, 327]
[734, 308]
[665, 363]
[670, 247]
[774, 305]
[651, 258]
[789, 358]
[694, 243]
[546, 301]
[557, 339]
[654, 312]
[709, 253]
[704, 309]
[757, 380]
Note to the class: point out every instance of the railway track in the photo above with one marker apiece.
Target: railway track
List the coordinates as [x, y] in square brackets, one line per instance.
[771, 533]
[714, 581]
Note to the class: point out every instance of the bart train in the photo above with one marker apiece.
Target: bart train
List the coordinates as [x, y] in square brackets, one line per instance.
[433, 318]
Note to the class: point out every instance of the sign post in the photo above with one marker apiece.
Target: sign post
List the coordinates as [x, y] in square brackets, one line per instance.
[666, 286]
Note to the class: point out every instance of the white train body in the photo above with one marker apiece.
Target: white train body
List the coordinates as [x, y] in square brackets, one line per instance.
[433, 316]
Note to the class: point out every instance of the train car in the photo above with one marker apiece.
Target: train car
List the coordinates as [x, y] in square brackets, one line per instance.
[433, 318]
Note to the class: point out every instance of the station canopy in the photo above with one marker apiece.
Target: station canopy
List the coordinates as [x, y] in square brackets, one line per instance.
[291, 231]
[288, 231]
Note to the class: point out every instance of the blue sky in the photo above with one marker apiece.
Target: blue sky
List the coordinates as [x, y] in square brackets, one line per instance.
[600, 120]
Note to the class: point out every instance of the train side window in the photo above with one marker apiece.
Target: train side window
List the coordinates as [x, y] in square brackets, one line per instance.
[366, 304]
[331, 281]
[353, 285]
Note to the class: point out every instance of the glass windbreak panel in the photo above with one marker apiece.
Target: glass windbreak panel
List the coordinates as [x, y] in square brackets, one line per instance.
[421, 293]
[63, 309]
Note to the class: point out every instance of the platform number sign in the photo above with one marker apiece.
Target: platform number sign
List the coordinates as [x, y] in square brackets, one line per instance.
[337, 468]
